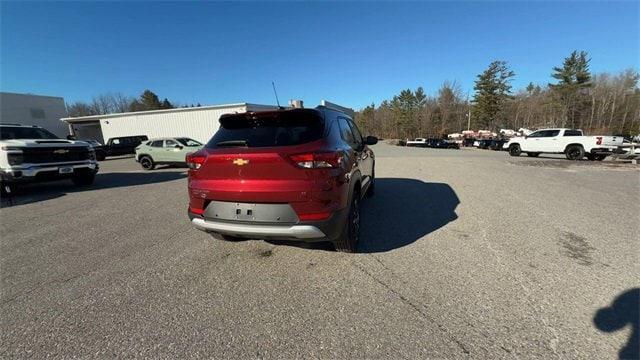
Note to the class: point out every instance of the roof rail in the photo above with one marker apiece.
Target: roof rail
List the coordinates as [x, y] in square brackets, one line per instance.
[23, 125]
[332, 106]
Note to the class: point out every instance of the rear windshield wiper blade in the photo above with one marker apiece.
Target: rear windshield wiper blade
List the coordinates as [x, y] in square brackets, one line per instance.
[233, 143]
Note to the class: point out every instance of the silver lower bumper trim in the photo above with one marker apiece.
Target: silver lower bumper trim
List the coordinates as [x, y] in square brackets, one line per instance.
[28, 171]
[292, 231]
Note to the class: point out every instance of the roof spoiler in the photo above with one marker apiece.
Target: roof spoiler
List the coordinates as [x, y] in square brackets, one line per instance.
[336, 107]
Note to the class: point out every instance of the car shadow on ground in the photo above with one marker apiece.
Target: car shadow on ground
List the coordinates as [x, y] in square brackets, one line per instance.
[401, 212]
[623, 312]
[36, 192]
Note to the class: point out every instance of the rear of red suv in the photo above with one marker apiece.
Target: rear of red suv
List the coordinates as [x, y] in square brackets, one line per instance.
[296, 174]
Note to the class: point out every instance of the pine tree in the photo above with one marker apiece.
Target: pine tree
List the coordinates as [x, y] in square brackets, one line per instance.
[574, 79]
[365, 119]
[493, 89]
[166, 104]
[149, 101]
[404, 111]
[135, 106]
[530, 88]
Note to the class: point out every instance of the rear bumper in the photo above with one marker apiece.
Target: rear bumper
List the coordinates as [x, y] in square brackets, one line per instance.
[603, 151]
[325, 230]
[300, 232]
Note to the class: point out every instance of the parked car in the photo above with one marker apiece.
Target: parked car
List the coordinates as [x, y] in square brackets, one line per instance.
[30, 153]
[452, 144]
[468, 142]
[97, 147]
[432, 142]
[165, 151]
[497, 144]
[124, 145]
[442, 144]
[286, 174]
[570, 142]
[418, 142]
[484, 143]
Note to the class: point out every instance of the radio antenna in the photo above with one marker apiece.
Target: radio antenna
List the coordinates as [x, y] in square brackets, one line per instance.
[276, 93]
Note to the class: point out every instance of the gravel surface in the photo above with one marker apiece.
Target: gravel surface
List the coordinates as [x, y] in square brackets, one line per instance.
[464, 253]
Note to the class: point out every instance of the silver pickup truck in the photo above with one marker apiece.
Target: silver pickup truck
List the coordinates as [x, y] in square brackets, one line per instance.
[31, 153]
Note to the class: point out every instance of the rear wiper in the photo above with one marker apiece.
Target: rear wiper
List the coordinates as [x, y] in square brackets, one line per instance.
[233, 143]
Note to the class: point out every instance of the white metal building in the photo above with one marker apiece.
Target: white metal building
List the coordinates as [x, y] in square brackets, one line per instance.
[28, 109]
[199, 123]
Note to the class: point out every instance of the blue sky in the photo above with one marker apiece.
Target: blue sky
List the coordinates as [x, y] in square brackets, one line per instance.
[350, 53]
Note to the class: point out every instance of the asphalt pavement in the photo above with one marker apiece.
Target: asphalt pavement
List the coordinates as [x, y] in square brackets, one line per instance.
[464, 253]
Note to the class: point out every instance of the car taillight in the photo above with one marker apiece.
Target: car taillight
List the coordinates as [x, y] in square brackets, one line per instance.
[317, 160]
[195, 160]
[196, 211]
[598, 140]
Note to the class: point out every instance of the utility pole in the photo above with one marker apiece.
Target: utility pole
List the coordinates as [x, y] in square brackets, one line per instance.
[468, 114]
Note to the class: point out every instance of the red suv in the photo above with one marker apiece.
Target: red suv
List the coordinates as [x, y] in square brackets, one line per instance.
[296, 174]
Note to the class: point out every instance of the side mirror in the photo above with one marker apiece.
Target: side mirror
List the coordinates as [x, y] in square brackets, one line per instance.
[370, 140]
[178, 146]
[71, 137]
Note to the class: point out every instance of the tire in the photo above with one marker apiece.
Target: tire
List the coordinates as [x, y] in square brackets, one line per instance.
[514, 150]
[599, 157]
[574, 152]
[83, 178]
[100, 156]
[224, 237]
[532, 154]
[372, 186]
[147, 162]
[348, 240]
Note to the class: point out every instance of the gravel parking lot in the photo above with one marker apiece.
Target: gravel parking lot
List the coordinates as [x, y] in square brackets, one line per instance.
[464, 253]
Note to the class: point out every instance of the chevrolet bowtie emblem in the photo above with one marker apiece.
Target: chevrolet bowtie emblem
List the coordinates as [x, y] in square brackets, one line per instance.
[240, 162]
[61, 151]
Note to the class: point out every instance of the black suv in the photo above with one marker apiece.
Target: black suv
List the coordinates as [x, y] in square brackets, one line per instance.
[124, 145]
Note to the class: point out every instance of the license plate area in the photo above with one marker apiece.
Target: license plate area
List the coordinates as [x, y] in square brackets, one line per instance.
[250, 212]
[65, 170]
[245, 211]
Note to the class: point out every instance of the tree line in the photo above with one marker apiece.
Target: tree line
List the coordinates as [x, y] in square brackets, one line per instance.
[118, 103]
[601, 103]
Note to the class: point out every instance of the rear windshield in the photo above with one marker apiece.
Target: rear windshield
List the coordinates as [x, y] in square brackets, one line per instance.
[572, 133]
[284, 128]
[11, 132]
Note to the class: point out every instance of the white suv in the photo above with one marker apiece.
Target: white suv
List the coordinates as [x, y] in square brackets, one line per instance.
[31, 153]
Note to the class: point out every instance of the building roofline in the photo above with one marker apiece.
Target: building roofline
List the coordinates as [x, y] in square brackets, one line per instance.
[108, 116]
[29, 94]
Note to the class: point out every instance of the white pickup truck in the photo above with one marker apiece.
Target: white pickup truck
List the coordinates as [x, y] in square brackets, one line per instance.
[31, 153]
[418, 142]
[570, 142]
